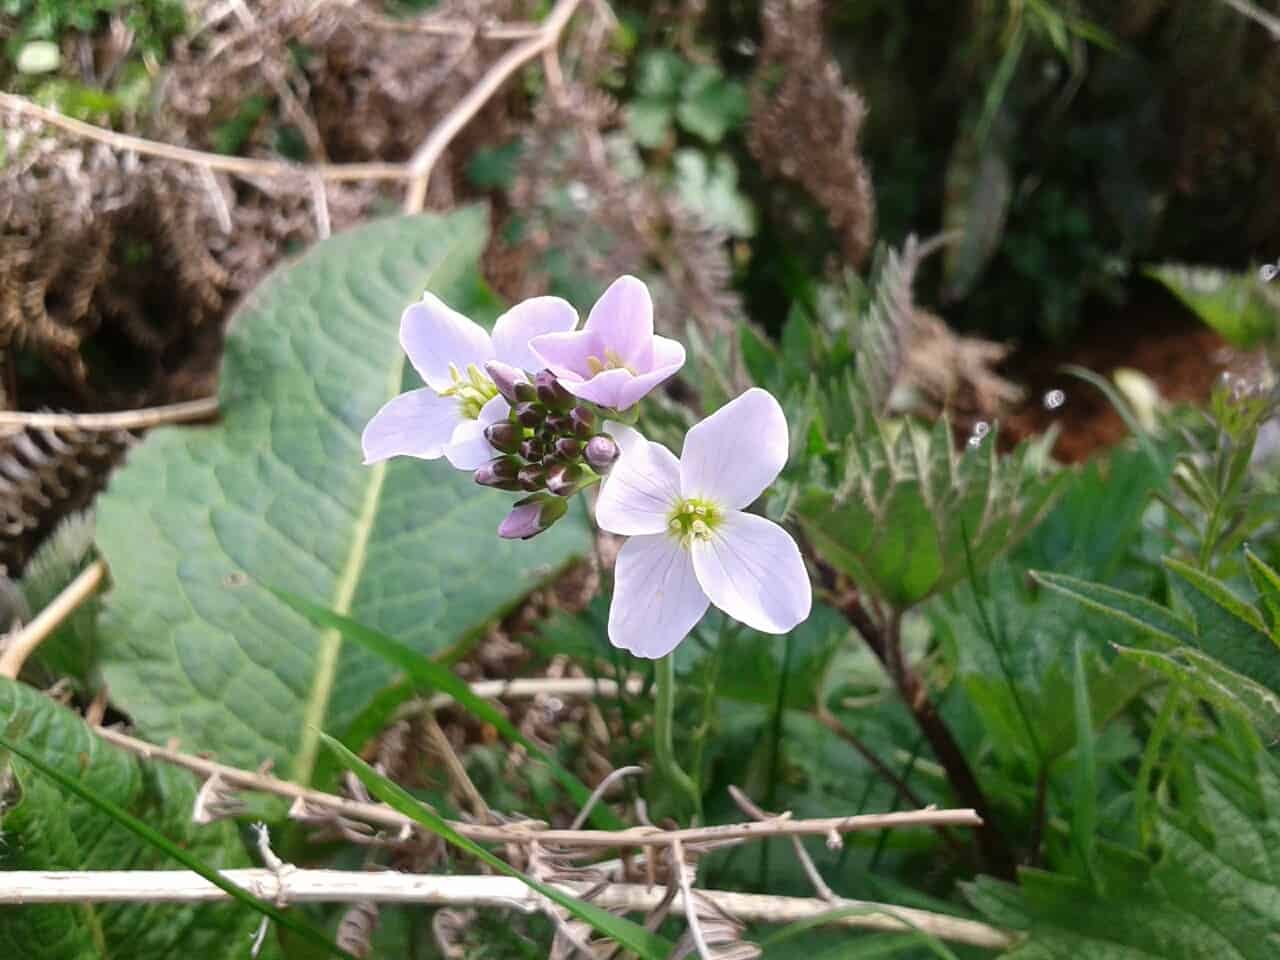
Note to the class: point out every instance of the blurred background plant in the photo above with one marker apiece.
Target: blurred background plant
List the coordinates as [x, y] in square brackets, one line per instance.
[1086, 654]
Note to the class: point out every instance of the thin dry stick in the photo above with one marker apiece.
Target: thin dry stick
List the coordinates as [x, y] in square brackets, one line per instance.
[530, 831]
[746, 805]
[454, 767]
[243, 166]
[425, 157]
[22, 644]
[338, 886]
[1257, 15]
[691, 913]
[141, 419]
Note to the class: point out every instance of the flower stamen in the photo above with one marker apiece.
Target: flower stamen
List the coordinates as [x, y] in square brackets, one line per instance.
[611, 361]
[472, 391]
[694, 519]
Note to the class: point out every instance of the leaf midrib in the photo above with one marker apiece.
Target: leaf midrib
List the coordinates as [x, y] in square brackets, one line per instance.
[345, 588]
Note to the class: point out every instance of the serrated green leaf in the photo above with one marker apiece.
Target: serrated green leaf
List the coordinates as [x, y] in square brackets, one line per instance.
[1238, 305]
[80, 806]
[195, 647]
[711, 105]
[625, 932]
[1228, 628]
[1267, 582]
[1155, 621]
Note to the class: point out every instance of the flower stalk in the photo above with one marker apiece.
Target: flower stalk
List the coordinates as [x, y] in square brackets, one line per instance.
[664, 752]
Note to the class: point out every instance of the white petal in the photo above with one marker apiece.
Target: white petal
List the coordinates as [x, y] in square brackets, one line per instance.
[752, 570]
[415, 424]
[734, 454]
[467, 448]
[531, 318]
[641, 489]
[656, 597]
[623, 319]
[435, 336]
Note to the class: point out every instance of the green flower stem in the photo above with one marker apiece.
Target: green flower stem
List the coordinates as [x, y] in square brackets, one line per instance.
[663, 744]
[703, 733]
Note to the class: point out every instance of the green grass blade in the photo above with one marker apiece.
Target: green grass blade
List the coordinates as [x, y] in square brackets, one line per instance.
[428, 675]
[158, 840]
[936, 946]
[631, 935]
[1085, 812]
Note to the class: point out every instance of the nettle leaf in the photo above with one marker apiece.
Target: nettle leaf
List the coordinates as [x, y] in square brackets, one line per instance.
[1240, 306]
[910, 513]
[45, 828]
[1214, 892]
[203, 523]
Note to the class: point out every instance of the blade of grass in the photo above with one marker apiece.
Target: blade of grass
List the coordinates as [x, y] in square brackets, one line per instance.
[631, 935]
[1117, 400]
[428, 675]
[158, 840]
[1085, 814]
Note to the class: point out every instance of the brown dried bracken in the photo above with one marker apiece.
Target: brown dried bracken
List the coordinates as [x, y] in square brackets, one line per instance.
[805, 122]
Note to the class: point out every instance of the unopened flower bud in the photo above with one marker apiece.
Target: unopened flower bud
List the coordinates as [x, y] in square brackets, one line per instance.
[532, 477]
[504, 436]
[559, 424]
[530, 516]
[564, 480]
[601, 452]
[500, 472]
[507, 379]
[567, 448]
[551, 392]
[584, 422]
[532, 449]
[530, 413]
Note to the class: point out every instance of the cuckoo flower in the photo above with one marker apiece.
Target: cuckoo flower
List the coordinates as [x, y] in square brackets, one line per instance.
[448, 416]
[690, 542]
[615, 359]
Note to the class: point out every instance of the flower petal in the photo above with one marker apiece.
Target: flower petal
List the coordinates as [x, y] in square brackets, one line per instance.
[668, 358]
[565, 354]
[732, 455]
[623, 319]
[605, 388]
[467, 448]
[656, 597]
[514, 330]
[642, 487]
[434, 336]
[415, 424]
[752, 570]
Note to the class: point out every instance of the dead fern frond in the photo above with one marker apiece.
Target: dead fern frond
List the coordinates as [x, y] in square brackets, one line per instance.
[805, 123]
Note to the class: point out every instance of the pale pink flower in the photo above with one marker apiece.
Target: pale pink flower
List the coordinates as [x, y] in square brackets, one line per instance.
[615, 359]
[447, 417]
[690, 543]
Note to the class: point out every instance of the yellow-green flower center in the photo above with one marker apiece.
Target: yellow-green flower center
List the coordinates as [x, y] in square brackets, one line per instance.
[472, 391]
[611, 361]
[694, 519]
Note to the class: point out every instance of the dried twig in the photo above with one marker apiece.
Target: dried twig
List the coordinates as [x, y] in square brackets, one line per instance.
[531, 831]
[141, 419]
[453, 766]
[1259, 16]
[425, 157]
[22, 644]
[338, 886]
[748, 807]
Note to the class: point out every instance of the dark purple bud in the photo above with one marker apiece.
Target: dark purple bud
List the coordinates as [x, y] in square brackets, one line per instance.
[564, 480]
[532, 450]
[504, 436]
[551, 392]
[526, 393]
[584, 422]
[530, 516]
[567, 448]
[559, 424]
[530, 413]
[507, 379]
[500, 472]
[601, 452]
[532, 477]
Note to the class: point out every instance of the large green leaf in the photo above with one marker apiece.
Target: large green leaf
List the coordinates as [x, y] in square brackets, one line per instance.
[1240, 306]
[202, 521]
[1215, 891]
[46, 828]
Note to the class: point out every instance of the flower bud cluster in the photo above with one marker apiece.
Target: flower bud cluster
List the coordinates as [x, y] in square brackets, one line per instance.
[549, 446]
